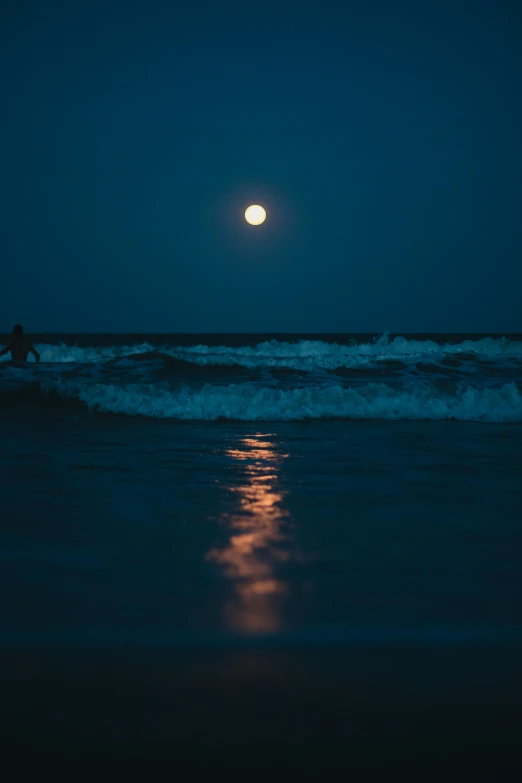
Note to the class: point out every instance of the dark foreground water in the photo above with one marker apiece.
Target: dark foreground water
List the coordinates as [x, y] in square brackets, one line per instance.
[245, 576]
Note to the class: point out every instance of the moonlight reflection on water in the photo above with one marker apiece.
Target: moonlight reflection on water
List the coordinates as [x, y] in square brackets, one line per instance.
[254, 550]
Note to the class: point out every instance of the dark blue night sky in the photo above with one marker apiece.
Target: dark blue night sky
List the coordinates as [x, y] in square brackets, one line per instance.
[382, 137]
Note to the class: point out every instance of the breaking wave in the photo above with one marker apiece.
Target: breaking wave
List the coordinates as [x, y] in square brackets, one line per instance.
[313, 354]
[250, 403]
[280, 380]
[301, 354]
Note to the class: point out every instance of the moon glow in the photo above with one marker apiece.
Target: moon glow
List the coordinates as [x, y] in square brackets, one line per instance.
[255, 215]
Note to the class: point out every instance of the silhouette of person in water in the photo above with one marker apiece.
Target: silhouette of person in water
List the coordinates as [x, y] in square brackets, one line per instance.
[19, 347]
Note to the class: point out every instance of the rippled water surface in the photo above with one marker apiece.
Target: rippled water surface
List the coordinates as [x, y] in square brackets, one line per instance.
[309, 524]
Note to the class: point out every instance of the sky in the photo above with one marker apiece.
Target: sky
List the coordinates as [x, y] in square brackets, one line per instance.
[383, 138]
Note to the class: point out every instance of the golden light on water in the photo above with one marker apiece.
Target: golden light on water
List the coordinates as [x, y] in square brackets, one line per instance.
[254, 549]
[255, 215]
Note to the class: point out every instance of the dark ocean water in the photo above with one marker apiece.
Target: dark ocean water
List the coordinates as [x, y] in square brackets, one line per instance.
[300, 551]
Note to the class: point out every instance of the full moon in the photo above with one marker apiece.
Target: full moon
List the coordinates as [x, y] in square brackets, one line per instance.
[255, 215]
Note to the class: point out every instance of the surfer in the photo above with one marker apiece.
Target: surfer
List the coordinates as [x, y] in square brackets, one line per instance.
[19, 347]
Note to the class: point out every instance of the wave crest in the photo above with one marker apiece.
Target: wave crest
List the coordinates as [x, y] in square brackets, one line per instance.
[244, 402]
[301, 355]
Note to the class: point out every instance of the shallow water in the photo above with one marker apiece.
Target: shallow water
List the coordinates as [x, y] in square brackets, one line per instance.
[340, 568]
[317, 531]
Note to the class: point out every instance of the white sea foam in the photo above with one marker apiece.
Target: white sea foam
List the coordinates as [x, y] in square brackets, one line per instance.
[302, 354]
[312, 354]
[373, 401]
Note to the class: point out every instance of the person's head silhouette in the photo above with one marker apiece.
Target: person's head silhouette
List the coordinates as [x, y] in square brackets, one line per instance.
[19, 347]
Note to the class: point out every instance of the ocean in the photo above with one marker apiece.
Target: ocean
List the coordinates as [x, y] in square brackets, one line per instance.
[254, 552]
